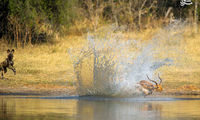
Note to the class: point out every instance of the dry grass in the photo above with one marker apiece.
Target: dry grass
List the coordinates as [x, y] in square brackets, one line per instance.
[187, 71]
[48, 66]
[43, 65]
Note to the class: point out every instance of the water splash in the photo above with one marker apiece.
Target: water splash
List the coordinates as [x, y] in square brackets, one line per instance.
[108, 65]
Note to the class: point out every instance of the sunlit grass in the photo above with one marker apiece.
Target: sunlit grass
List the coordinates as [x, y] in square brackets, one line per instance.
[43, 65]
[49, 65]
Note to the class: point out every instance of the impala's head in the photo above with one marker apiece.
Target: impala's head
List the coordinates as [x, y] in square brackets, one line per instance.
[157, 86]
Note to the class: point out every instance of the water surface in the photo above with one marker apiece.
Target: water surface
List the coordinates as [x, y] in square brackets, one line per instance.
[96, 108]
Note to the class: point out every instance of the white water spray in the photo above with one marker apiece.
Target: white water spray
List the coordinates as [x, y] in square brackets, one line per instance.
[111, 66]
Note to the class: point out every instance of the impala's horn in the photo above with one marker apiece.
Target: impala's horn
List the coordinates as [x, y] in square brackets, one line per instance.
[152, 80]
[160, 79]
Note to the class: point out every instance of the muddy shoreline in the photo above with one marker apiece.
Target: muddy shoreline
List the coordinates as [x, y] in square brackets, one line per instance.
[72, 92]
[39, 92]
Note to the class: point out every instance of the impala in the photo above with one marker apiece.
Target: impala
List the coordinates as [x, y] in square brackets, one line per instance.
[148, 87]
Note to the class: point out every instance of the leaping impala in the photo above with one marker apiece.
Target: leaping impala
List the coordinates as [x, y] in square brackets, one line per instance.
[148, 88]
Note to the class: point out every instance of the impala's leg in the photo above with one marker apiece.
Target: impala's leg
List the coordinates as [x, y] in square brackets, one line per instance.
[152, 93]
[146, 92]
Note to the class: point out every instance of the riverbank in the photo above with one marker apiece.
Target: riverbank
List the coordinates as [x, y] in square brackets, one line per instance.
[53, 90]
[45, 90]
[47, 69]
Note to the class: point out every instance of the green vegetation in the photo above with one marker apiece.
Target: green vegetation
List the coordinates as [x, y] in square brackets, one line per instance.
[25, 22]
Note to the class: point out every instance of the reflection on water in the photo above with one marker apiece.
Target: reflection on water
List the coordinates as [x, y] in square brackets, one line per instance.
[15, 108]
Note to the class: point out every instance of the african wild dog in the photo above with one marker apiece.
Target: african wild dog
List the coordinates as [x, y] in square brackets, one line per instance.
[8, 63]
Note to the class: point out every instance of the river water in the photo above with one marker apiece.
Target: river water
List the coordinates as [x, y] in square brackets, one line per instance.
[98, 108]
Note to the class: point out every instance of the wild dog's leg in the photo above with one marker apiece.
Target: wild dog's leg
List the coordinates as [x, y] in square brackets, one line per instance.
[5, 69]
[2, 73]
[13, 69]
[1, 70]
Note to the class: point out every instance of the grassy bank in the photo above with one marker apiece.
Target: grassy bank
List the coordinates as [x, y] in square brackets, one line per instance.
[44, 67]
[47, 68]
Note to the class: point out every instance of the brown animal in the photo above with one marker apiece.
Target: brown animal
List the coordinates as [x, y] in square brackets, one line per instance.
[148, 87]
[8, 63]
